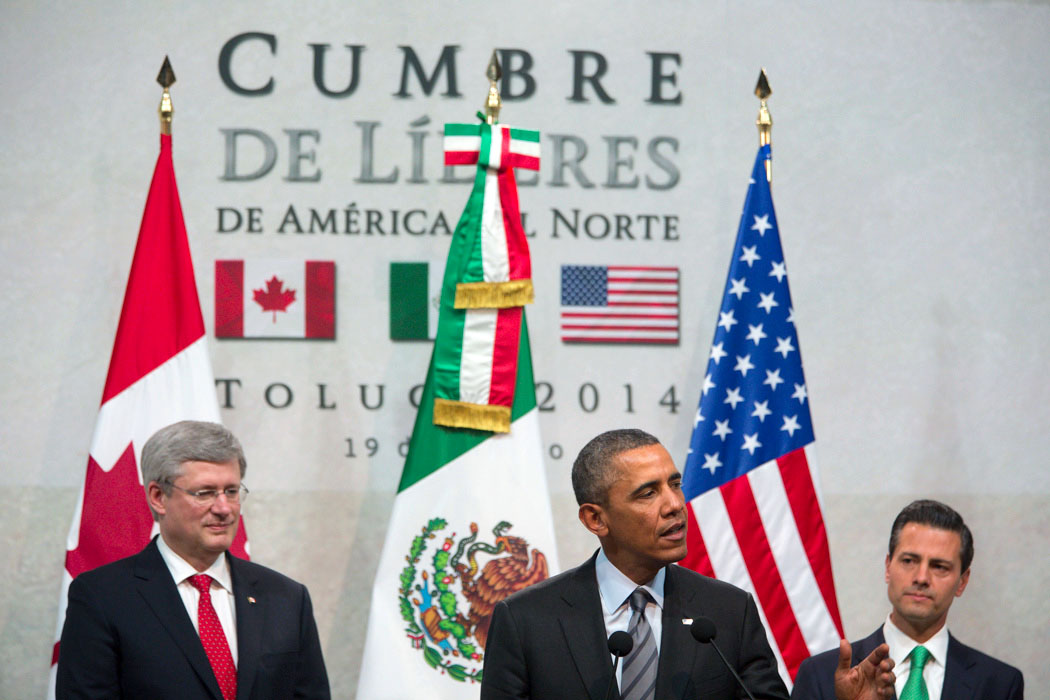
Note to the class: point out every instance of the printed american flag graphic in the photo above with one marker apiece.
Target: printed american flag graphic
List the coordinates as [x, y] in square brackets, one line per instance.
[750, 477]
[619, 304]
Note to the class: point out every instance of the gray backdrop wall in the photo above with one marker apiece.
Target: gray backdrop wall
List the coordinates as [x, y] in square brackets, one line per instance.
[910, 153]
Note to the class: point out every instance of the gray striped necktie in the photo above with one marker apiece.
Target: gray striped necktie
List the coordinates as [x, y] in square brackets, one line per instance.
[638, 681]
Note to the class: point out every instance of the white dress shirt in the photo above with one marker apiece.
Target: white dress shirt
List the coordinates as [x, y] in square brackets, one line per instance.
[901, 646]
[615, 590]
[221, 591]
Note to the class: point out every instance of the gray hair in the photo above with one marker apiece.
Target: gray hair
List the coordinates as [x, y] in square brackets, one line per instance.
[592, 472]
[187, 441]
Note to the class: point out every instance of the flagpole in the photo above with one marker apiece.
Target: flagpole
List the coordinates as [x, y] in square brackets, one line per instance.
[493, 101]
[458, 476]
[166, 78]
[764, 122]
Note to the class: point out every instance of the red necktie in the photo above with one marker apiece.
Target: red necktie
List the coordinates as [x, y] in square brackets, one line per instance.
[214, 640]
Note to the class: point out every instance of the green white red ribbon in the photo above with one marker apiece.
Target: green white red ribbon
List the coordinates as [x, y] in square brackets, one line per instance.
[488, 279]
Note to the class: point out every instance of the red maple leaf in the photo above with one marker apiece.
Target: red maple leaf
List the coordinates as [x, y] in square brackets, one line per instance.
[275, 298]
[115, 521]
[239, 548]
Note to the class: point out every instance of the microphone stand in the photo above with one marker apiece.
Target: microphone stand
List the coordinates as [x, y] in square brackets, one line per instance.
[703, 631]
[620, 645]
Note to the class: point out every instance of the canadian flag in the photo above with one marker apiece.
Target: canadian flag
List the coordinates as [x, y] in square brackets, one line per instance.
[268, 298]
[159, 374]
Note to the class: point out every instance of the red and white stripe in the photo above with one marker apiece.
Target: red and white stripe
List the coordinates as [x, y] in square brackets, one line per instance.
[496, 258]
[764, 532]
[504, 248]
[489, 362]
[516, 153]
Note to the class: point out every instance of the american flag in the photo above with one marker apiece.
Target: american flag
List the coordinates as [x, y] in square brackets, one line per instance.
[619, 304]
[750, 478]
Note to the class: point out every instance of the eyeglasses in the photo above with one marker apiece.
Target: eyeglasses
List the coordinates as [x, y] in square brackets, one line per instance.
[205, 497]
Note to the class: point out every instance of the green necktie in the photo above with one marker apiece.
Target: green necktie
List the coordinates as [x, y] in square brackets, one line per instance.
[915, 688]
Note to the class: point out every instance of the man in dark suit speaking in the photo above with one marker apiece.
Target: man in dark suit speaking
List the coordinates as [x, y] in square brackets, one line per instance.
[927, 567]
[550, 640]
[182, 618]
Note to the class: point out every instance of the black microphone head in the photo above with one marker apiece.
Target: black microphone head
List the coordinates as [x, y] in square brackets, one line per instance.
[620, 644]
[702, 629]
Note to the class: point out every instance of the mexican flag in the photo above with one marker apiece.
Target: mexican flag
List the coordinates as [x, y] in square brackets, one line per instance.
[472, 515]
[471, 522]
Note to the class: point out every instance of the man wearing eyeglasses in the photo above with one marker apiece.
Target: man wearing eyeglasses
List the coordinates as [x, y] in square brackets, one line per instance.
[183, 618]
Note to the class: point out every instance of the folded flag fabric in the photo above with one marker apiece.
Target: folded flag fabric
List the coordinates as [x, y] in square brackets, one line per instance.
[488, 279]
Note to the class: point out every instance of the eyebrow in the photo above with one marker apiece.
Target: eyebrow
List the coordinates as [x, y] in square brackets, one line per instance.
[933, 560]
[216, 485]
[677, 476]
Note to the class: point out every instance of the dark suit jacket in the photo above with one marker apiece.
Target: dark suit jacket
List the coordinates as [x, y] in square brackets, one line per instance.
[548, 642]
[127, 635]
[968, 674]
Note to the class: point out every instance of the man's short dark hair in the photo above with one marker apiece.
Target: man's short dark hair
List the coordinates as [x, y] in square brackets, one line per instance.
[592, 473]
[937, 515]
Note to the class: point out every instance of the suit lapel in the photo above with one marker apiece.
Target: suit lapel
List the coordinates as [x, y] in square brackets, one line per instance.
[155, 585]
[679, 604]
[250, 606]
[867, 645]
[860, 650]
[583, 625]
[957, 667]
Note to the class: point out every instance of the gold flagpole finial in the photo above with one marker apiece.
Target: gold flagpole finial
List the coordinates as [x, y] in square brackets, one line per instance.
[493, 102]
[166, 78]
[764, 122]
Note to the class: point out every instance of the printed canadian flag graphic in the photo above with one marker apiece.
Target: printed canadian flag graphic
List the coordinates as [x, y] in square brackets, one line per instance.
[268, 298]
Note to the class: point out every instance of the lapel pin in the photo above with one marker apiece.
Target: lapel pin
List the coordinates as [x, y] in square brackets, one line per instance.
[687, 620]
[252, 601]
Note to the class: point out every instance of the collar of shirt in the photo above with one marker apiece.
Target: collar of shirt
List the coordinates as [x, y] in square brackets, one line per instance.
[615, 588]
[181, 569]
[901, 646]
[223, 603]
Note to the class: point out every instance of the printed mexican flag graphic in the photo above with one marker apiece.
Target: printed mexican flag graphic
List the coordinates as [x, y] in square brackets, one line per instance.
[471, 522]
[415, 299]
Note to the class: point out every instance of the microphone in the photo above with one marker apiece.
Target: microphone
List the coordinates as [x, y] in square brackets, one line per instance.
[620, 645]
[703, 631]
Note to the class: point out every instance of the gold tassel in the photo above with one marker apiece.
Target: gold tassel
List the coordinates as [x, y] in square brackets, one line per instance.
[460, 414]
[493, 295]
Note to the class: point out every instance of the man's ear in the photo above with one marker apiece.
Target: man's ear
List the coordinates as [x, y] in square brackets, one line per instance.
[593, 518]
[963, 580]
[154, 494]
[887, 568]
